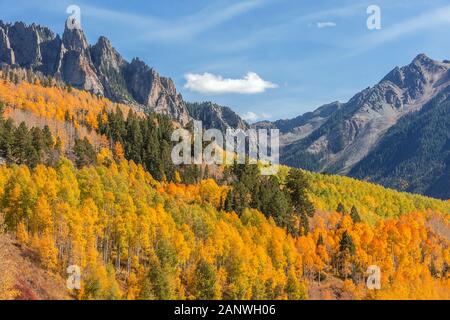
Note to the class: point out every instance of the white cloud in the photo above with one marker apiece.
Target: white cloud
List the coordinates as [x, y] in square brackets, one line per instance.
[325, 24]
[251, 116]
[216, 84]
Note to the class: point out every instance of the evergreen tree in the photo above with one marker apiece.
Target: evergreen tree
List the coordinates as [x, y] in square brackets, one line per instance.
[205, 281]
[84, 152]
[346, 244]
[355, 215]
[320, 241]
[297, 186]
[340, 208]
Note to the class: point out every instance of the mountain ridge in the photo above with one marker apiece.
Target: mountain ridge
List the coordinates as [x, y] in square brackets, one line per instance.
[97, 68]
[348, 133]
[333, 138]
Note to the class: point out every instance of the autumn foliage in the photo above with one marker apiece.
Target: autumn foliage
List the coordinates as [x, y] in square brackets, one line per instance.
[138, 236]
[134, 237]
[56, 102]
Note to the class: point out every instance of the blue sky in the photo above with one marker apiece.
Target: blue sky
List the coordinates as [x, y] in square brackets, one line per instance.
[264, 58]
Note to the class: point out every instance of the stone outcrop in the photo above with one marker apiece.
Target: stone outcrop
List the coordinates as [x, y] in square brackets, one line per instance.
[98, 68]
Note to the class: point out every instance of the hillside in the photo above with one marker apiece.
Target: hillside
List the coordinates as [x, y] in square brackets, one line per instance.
[373, 202]
[353, 130]
[422, 165]
[140, 227]
[22, 276]
[99, 69]
[136, 238]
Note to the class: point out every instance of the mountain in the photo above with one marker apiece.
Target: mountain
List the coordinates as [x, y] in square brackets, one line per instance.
[298, 128]
[84, 187]
[99, 69]
[355, 138]
[214, 116]
[336, 137]
[414, 155]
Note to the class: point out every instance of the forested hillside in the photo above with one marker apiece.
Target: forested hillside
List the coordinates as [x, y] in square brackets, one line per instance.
[141, 228]
[415, 155]
[134, 237]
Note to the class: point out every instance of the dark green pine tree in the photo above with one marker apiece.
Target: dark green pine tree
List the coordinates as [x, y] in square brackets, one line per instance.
[6, 136]
[84, 152]
[355, 215]
[320, 241]
[228, 204]
[275, 202]
[134, 139]
[23, 151]
[304, 225]
[297, 186]
[346, 244]
[340, 208]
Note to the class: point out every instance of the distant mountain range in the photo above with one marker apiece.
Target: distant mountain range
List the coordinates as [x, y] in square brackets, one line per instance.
[395, 133]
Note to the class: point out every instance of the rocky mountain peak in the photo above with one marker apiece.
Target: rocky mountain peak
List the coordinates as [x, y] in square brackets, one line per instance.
[215, 116]
[420, 72]
[104, 42]
[349, 133]
[104, 55]
[74, 39]
[99, 69]
[6, 53]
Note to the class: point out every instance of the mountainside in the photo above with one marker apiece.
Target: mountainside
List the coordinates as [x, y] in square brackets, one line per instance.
[298, 128]
[352, 131]
[110, 201]
[98, 68]
[214, 116]
[22, 277]
[414, 155]
[355, 138]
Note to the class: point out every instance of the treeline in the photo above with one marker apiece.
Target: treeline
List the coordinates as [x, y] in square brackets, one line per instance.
[287, 204]
[145, 140]
[21, 145]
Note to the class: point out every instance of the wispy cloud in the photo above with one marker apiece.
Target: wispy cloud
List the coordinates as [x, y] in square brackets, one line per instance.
[209, 83]
[325, 24]
[282, 30]
[155, 28]
[252, 116]
[426, 21]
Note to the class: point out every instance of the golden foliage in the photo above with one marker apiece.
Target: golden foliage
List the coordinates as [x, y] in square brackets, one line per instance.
[171, 241]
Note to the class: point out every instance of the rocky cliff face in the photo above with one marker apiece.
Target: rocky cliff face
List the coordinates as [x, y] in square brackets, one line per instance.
[110, 65]
[214, 116]
[77, 67]
[99, 68]
[346, 133]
